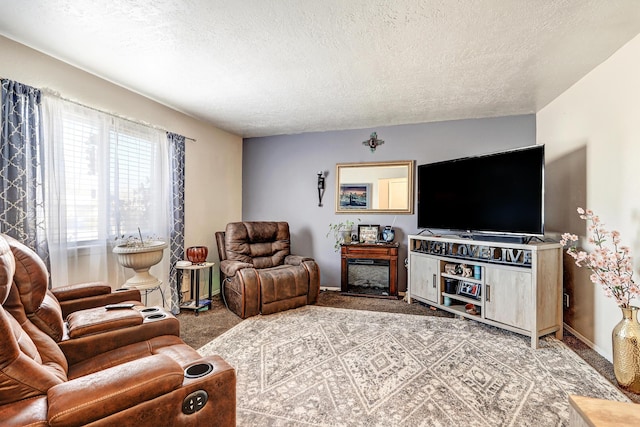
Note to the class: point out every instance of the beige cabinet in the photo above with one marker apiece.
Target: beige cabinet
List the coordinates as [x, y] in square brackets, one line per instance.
[514, 286]
[508, 297]
[423, 275]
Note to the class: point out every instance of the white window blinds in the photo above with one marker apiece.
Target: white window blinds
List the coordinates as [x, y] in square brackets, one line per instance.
[106, 177]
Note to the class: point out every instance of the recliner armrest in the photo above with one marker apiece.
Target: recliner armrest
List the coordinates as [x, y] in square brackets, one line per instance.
[296, 259]
[92, 397]
[230, 268]
[82, 296]
[81, 290]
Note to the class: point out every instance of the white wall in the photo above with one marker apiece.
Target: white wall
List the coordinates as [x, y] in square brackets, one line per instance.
[213, 170]
[602, 113]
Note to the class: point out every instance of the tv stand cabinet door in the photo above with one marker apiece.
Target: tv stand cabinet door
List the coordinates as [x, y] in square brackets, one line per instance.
[508, 299]
[424, 278]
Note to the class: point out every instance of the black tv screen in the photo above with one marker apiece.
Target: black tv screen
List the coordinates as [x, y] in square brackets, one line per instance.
[501, 193]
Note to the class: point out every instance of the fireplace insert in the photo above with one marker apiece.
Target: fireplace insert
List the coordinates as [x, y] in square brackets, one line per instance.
[368, 276]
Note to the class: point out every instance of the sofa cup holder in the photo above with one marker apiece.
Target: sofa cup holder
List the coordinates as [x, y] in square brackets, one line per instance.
[157, 316]
[198, 370]
[149, 310]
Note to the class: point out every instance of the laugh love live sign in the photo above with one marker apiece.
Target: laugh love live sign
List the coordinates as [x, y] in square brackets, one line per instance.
[472, 251]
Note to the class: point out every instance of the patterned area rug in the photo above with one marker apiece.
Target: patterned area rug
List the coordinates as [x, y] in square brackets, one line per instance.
[322, 366]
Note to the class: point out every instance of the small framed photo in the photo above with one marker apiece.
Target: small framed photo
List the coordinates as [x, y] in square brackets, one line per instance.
[469, 289]
[368, 233]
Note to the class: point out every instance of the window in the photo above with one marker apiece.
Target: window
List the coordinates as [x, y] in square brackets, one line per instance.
[111, 179]
[81, 179]
[130, 181]
[105, 176]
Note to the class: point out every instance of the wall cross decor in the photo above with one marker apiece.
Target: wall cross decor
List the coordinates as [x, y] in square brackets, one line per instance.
[373, 142]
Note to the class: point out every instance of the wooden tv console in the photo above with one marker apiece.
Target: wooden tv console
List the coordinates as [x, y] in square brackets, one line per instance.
[520, 285]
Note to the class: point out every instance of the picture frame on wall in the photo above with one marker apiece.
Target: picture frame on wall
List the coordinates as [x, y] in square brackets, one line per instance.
[355, 196]
[368, 233]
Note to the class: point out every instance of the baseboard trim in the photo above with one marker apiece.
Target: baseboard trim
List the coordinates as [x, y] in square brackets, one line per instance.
[588, 342]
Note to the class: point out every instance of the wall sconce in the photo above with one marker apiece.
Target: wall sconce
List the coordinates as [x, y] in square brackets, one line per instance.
[320, 187]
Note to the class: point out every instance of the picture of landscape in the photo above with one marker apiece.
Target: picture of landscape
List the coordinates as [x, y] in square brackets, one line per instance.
[355, 196]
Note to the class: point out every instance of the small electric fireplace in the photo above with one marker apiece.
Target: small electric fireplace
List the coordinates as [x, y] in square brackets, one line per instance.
[370, 270]
[368, 276]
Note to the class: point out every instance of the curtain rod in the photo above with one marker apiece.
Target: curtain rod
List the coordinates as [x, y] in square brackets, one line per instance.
[57, 95]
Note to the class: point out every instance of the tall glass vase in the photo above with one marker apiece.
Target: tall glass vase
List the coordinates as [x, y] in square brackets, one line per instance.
[626, 350]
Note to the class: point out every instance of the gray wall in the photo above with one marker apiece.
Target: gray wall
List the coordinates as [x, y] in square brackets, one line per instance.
[280, 174]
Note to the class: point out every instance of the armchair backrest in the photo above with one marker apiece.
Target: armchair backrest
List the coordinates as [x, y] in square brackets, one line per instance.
[263, 244]
[31, 279]
[30, 361]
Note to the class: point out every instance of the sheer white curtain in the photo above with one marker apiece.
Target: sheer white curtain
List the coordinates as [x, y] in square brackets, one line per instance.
[105, 177]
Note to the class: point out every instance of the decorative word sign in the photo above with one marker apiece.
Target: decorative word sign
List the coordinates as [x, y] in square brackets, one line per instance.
[471, 251]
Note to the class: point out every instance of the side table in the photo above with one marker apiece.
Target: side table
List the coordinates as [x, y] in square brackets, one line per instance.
[196, 304]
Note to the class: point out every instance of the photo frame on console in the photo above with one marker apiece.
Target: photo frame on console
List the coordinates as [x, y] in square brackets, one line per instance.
[469, 289]
[368, 233]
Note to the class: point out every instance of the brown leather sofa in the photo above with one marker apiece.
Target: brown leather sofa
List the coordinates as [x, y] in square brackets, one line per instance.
[152, 381]
[258, 272]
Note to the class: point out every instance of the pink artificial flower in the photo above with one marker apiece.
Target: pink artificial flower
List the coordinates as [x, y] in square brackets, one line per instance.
[611, 264]
[567, 237]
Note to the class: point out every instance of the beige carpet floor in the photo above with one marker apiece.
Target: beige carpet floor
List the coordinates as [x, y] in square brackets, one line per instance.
[199, 330]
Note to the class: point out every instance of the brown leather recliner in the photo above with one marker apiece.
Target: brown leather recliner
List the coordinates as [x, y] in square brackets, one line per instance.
[83, 327]
[156, 382]
[33, 278]
[258, 272]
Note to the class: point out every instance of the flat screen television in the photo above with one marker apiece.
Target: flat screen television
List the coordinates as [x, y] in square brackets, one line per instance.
[494, 194]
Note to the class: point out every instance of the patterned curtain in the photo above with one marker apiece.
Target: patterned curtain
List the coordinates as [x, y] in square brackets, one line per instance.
[21, 166]
[176, 245]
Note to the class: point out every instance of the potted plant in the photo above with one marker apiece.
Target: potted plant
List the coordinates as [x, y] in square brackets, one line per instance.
[341, 232]
[140, 255]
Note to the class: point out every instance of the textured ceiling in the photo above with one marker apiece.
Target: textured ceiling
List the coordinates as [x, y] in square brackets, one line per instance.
[267, 67]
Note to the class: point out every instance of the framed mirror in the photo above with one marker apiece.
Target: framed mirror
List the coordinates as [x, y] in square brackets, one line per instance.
[376, 187]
